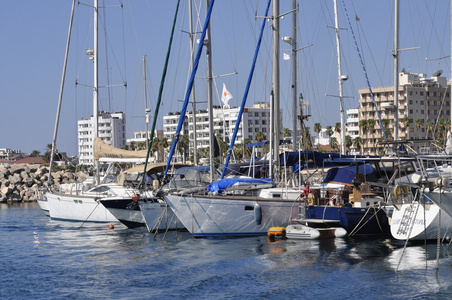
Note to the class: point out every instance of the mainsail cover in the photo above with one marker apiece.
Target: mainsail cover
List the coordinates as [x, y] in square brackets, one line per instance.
[102, 149]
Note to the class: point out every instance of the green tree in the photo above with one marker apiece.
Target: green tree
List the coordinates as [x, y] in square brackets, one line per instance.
[133, 146]
[406, 121]
[35, 153]
[286, 132]
[259, 136]
[317, 129]
[418, 123]
[429, 126]
[363, 125]
[337, 127]
[182, 146]
[358, 143]
[348, 141]
[333, 143]
[329, 131]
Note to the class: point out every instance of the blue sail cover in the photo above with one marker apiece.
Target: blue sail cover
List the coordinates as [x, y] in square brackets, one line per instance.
[346, 175]
[219, 186]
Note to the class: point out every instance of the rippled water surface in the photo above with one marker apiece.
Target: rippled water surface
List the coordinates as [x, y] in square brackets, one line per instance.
[46, 259]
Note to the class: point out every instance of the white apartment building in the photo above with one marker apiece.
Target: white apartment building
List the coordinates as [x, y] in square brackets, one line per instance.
[7, 153]
[419, 97]
[254, 119]
[352, 126]
[111, 129]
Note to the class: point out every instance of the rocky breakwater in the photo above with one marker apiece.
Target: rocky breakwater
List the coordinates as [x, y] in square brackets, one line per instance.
[23, 182]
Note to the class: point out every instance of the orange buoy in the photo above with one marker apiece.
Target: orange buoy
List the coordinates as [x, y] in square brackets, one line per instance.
[111, 226]
[135, 197]
[277, 231]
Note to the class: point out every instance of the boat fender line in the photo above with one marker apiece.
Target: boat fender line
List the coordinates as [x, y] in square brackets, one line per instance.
[257, 214]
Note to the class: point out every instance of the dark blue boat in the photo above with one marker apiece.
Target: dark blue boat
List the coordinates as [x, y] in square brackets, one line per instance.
[356, 220]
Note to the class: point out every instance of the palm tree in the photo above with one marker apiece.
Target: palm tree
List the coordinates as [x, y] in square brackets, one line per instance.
[35, 153]
[237, 151]
[370, 124]
[357, 143]
[388, 134]
[182, 146]
[318, 129]
[363, 125]
[142, 146]
[155, 145]
[244, 152]
[329, 131]
[337, 127]
[286, 132]
[429, 126]
[259, 136]
[348, 141]
[418, 123]
[132, 145]
[223, 145]
[333, 143]
[406, 121]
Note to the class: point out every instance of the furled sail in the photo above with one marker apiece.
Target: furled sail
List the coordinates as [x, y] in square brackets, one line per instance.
[102, 149]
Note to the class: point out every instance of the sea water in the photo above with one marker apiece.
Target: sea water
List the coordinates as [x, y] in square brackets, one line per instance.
[47, 259]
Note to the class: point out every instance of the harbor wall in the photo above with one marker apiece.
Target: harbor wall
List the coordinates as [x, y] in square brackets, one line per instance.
[25, 182]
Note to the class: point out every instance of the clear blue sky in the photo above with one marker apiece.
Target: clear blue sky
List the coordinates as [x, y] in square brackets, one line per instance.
[33, 38]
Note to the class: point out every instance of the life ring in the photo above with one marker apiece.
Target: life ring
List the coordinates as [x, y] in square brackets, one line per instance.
[400, 191]
[310, 199]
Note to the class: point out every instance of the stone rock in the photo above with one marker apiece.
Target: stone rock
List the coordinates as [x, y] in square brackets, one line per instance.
[6, 190]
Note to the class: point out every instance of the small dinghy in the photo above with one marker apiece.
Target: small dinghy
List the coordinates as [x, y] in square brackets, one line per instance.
[303, 232]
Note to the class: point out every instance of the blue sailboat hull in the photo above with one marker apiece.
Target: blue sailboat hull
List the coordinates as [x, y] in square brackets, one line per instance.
[356, 220]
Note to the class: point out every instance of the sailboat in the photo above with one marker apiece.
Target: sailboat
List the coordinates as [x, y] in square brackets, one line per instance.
[417, 199]
[83, 205]
[224, 210]
[340, 199]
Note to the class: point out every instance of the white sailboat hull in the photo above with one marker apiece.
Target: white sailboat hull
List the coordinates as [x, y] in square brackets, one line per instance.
[77, 208]
[229, 216]
[159, 216]
[443, 200]
[422, 223]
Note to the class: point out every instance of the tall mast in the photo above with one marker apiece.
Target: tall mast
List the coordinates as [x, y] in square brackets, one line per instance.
[275, 84]
[60, 98]
[193, 98]
[449, 139]
[96, 83]
[146, 112]
[396, 71]
[210, 99]
[294, 74]
[340, 78]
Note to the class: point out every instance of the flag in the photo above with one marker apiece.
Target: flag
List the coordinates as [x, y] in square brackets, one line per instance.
[226, 96]
[286, 56]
